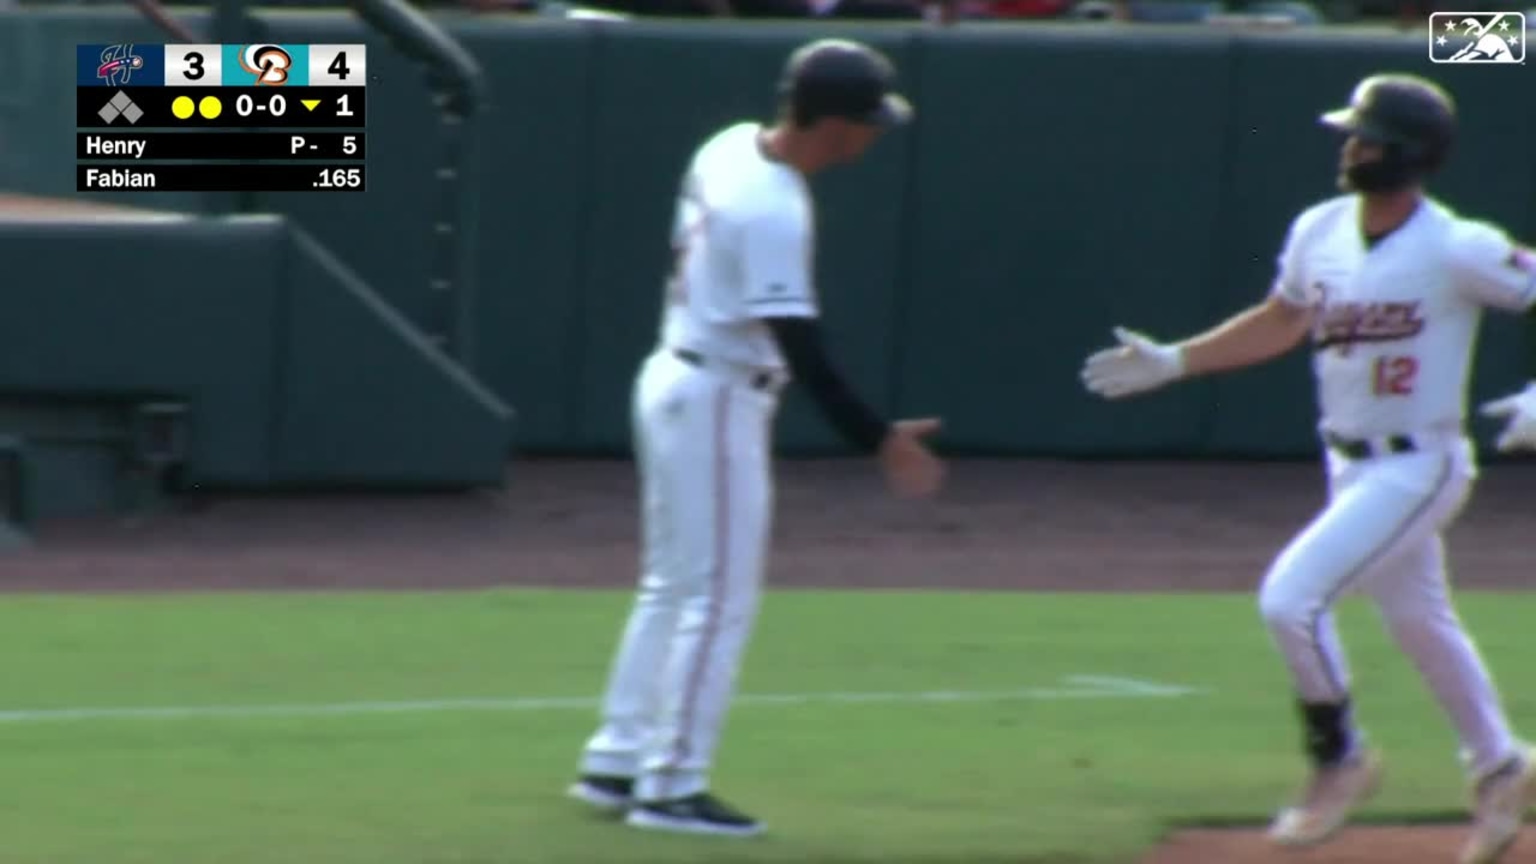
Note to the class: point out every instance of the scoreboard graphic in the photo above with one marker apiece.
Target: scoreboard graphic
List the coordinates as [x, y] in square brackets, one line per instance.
[235, 118]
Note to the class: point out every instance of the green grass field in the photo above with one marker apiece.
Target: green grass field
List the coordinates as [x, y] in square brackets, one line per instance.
[1095, 776]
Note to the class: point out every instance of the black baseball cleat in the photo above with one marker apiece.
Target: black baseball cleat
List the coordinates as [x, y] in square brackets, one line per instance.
[605, 792]
[695, 814]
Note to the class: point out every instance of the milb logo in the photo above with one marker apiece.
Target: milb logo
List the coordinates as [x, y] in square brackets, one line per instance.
[1477, 37]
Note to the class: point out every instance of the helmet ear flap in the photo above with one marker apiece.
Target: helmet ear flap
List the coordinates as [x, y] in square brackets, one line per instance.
[1425, 157]
[1435, 155]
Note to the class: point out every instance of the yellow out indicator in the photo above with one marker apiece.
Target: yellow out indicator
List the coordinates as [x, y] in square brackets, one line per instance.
[210, 107]
[181, 106]
[311, 104]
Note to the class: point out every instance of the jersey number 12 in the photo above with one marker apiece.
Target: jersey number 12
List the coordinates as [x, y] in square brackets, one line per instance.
[1394, 376]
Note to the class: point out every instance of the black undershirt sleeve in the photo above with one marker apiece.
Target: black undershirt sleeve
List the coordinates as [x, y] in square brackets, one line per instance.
[1530, 343]
[801, 344]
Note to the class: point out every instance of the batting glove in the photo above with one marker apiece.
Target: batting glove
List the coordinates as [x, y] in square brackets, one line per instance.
[1520, 410]
[1139, 364]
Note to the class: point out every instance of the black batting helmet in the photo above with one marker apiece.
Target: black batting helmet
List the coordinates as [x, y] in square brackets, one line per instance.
[842, 78]
[1412, 119]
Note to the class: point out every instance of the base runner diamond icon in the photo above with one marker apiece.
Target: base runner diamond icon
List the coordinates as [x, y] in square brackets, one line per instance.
[120, 106]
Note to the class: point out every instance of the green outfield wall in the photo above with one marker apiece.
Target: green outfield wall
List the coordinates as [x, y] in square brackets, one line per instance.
[1058, 181]
[286, 370]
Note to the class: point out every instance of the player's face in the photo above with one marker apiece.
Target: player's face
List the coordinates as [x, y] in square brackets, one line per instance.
[846, 142]
[1358, 152]
[1355, 152]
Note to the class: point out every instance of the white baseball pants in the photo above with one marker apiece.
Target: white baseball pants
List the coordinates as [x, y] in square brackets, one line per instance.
[703, 450]
[1381, 534]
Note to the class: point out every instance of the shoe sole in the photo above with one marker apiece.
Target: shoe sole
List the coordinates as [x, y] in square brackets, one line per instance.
[600, 799]
[656, 822]
[1318, 838]
[1306, 841]
[1291, 841]
[1492, 853]
[1491, 856]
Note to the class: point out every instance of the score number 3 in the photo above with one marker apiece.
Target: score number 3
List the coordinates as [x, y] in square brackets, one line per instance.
[1394, 375]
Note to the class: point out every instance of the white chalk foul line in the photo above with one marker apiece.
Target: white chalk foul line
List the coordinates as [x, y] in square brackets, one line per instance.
[1078, 687]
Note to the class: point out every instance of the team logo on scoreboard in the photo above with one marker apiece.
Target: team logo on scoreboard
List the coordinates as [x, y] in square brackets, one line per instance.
[270, 64]
[118, 63]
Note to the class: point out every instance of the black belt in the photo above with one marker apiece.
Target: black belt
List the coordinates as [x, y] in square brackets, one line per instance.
[1353, 448]
[757, 381]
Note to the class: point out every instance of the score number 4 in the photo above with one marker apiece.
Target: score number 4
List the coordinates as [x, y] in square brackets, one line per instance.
[1394, 375]
[341, 70]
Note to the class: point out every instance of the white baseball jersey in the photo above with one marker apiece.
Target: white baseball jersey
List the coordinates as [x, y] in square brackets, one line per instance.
[1396, 322]
[742, 236]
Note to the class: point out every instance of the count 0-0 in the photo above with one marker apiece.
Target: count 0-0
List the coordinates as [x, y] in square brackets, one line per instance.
[275, 103]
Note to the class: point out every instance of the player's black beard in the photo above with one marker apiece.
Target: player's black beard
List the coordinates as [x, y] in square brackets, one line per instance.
[1378, 176]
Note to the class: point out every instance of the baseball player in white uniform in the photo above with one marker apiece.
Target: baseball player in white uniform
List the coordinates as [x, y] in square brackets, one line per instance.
[739, 321]
[1391, 285]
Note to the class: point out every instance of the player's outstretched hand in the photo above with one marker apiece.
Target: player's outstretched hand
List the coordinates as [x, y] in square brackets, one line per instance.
[1137, 365]
[1520, 410]
[910, 469]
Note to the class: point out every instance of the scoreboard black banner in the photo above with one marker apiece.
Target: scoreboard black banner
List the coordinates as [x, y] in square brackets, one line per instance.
[220, 107]
[227, 177]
